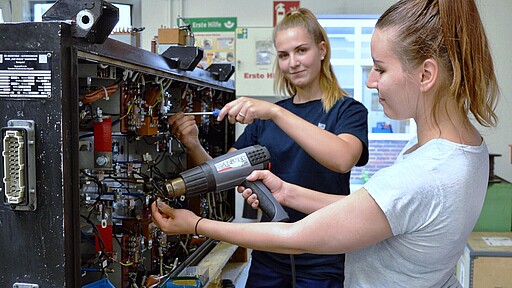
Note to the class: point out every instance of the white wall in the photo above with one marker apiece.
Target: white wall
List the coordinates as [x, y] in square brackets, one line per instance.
[495, 15]
[250, 13]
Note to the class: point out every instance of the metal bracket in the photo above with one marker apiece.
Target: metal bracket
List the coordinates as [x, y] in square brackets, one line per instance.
[183, 57]
[221, 71]
[94, 19]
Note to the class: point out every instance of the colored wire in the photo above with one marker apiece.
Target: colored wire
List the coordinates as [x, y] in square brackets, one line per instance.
[102, 93]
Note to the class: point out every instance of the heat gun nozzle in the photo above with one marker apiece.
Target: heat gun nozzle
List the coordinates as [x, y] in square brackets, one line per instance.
[175, 187]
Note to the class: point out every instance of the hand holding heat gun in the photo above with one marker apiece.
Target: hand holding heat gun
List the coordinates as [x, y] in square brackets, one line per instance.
[227, 171]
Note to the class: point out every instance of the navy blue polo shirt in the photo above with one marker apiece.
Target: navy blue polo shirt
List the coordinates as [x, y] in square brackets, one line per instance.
[292, 164]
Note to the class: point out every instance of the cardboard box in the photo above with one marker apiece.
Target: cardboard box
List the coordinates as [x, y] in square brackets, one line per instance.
[487, 260]
[172, 36]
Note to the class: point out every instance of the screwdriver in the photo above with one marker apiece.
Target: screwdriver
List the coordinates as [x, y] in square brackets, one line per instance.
[214, 113]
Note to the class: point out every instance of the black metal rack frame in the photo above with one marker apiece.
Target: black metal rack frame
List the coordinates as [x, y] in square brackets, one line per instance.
[42, 247]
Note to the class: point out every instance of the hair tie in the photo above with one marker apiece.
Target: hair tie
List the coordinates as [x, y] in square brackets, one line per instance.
[195, 228]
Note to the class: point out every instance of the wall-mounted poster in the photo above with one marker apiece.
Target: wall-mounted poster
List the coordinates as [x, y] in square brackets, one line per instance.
[217, 38]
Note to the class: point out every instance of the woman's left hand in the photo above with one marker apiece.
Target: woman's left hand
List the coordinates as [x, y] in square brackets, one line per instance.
[273, 183]
[173, 221]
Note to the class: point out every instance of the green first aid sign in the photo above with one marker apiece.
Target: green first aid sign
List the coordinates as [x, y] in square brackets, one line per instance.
[226, 24]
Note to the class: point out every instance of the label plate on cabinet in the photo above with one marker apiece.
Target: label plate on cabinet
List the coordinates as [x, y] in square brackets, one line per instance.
[25, 74]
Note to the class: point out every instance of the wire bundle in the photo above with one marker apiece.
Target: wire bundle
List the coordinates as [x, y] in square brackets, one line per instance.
[104, 92]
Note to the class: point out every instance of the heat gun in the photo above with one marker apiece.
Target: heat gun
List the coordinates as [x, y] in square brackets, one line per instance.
[227, 171]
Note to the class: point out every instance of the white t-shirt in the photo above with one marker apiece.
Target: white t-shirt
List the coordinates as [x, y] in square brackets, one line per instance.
[432, 198]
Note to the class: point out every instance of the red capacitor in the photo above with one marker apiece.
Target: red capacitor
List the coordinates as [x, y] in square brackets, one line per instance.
[106, 237]
[103, 135]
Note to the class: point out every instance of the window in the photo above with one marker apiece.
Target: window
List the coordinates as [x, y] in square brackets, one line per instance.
[38, 9]
[351, 60]
[125, 13]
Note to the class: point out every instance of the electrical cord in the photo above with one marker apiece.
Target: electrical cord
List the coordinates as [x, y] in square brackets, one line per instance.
[292, 264]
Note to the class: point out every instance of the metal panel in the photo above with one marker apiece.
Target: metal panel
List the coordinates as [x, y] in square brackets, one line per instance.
[40, 247]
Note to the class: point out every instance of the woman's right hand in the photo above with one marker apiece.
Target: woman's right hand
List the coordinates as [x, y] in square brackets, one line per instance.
[244, 110]
[273, 183]
[184, 128]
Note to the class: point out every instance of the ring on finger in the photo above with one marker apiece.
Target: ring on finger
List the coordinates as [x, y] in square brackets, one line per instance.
[241, 115]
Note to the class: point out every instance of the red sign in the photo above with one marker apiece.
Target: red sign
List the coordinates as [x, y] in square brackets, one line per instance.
[282, 7]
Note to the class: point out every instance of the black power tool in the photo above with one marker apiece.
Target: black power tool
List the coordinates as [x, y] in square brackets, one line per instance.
[228, 171]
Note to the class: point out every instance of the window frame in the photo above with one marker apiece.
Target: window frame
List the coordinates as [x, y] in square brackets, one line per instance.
[359, 63]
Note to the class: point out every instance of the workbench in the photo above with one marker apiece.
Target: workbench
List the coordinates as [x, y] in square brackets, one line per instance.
[225, 261]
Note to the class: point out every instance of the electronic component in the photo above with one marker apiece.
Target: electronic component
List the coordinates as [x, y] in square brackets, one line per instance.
[134, 155]
[103, 143]
[18, 154]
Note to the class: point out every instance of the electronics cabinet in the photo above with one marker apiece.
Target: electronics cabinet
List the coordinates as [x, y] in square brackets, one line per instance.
[86, 148]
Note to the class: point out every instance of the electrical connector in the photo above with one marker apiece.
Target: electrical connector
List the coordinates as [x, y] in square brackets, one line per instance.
[18, 157]
[14, 166]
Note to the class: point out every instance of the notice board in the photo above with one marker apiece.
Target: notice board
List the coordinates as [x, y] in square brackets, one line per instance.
[255, 59]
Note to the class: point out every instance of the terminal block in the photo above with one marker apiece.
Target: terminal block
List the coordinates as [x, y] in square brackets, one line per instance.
[18, 163]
